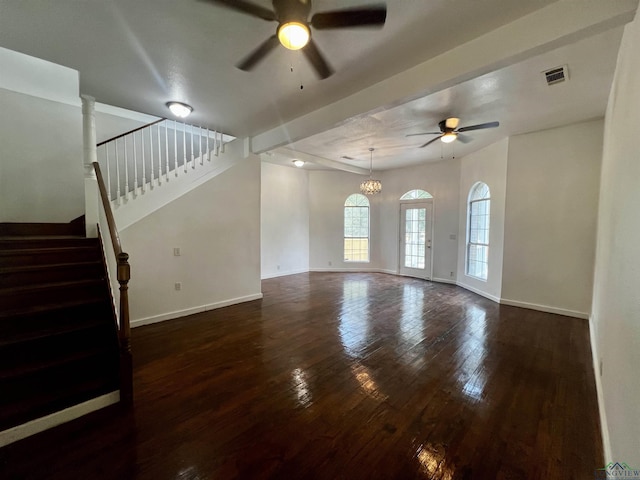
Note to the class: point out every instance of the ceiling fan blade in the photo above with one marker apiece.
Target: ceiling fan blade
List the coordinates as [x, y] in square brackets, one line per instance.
[317, 60]
[259, 53]
[375, 15]
[480, 126]
[460, 137]
[424, 133]
[429, 142]
[245, 7]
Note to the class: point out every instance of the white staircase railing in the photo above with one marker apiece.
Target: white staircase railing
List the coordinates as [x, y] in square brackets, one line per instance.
[149, 156]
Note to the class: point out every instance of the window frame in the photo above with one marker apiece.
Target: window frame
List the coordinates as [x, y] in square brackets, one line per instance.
[416, 194]
[360, 197]
[475, 199]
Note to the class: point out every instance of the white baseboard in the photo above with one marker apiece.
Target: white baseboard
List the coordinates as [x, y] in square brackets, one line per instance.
[604, 428]
[190, 311]
[478, 292]
[38, 425]
[545, 308]
[344, 270]
[387, 271]
[283, 274]
[445, 280]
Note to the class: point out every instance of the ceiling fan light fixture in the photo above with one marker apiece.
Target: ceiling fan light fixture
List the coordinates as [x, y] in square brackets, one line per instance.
[180, 110]
[293, 35]
[449, 137]
[298, 163]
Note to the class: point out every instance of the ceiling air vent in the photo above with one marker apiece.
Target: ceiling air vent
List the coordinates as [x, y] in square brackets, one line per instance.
[556, 75]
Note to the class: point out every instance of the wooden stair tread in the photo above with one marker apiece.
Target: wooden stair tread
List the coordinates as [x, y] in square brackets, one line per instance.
[42, 237]
[49, 266]
[46, 250]
[53, 330]
[73, 357]
[75, 227]
[47, 286]
[50, 307]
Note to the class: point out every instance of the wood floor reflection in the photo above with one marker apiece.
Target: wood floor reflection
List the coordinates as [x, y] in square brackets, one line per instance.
[342, 376]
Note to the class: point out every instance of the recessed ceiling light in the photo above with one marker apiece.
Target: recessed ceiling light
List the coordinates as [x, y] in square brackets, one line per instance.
[181, 110]
[298, 163]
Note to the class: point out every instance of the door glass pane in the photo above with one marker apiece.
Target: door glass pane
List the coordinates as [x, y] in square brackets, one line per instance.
[415, 237]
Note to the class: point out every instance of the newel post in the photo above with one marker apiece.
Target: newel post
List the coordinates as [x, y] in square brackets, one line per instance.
[126, 364]
[91, 193]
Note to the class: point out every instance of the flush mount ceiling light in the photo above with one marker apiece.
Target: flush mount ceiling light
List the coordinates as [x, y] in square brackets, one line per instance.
[293, 35]
[298, 163]
[180, 110]
[371, 186]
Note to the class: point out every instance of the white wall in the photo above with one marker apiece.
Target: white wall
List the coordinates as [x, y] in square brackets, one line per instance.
[41, 174]
[217, 228]
[440, 179]
[616, 301]
[550, 220]
[328, 191]
[284, 220]
[488, 165]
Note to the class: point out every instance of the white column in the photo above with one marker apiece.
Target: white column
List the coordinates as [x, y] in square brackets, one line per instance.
[91, 192]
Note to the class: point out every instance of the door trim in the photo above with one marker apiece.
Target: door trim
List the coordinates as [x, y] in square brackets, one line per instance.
[431, 202]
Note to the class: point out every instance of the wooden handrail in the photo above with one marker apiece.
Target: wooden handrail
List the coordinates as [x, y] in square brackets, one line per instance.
[123, 276]
[130, 132]
[113, 231]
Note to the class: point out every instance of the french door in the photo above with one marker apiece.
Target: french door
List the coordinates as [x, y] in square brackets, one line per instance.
[415, 239]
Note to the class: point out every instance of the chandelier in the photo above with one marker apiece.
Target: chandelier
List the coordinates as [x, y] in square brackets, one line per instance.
[371, 186]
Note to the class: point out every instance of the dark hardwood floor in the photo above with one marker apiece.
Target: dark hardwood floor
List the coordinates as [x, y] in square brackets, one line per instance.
[342, 376]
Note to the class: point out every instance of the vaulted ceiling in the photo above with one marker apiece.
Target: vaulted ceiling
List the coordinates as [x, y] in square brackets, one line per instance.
[480, 61]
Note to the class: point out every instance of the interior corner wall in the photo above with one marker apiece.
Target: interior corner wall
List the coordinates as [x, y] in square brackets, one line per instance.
[441, 180]
[328, 191]
[616, 301]
[41, 173]
[553, 179]
[488, 165]
[284, 220]
[216, 226]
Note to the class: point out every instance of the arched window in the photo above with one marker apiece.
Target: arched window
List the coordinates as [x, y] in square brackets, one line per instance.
[478, 231]
[356, 228]
[415, 195]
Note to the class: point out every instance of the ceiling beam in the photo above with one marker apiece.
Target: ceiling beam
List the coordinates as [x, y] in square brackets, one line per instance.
[555, 25]
[290, 155]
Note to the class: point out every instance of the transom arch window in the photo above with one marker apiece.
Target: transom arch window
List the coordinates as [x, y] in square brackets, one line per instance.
[479, 217]
[356, 228]
[416, 194]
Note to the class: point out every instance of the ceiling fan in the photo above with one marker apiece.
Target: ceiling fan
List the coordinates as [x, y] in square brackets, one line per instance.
[450, 132]
[294, 32]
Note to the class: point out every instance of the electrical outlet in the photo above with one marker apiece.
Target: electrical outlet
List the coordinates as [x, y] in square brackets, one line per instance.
[452, 236]
[178, 286]
[451, 274]
[176, 252]
[278, 267]
[329, 262]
